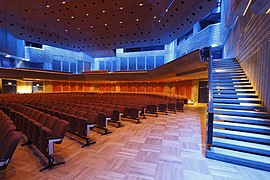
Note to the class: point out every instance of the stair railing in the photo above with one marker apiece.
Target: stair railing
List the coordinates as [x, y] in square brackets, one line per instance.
[206, 54]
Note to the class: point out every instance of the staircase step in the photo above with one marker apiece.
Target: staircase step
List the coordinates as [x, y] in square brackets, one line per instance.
[242, 146]
[243, 127]
[239, 106]
[228, 74]
[226, 70]
[223, 77]
[233, 87]
[235, 96]
[245, 136]
[231, 80]
[240, 158]
[221, 83]
[233, 91]
[239, 119]
[242, 113]
[237, 101]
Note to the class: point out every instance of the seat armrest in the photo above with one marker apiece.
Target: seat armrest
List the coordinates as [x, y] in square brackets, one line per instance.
[54, 137]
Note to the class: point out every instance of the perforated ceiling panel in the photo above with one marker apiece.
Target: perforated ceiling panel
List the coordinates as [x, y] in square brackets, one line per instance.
[87, 25]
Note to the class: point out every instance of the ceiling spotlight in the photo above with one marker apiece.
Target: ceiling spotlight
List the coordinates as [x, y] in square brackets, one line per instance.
[47, 6]
[58, 20]
[72, 17]
[141, 4]
[158, 20]
[105, 24]
[78, 28]
[167, 10]
[121, 7]
[66, 30]
[91, 26]
[137, 19]
[155, 17]
[121, 22]
[103, 11]
[63, 2]
[87, 14]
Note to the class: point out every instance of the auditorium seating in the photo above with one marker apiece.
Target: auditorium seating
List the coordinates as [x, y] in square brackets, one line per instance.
[9, 139]
[40, 129]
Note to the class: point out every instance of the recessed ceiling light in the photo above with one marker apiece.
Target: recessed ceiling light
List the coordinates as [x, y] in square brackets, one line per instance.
[158, 20]
[91, 26]
[137, 19]
[167, 10]
[47, 6]
[103, 11]
[141, 4]
[87, 14]
[121, 7]
[72, 17]
[155, 17]
[58, 19]
[63, 2]
[66, 30]
[105, 24]
[121, 22]
[78, 28]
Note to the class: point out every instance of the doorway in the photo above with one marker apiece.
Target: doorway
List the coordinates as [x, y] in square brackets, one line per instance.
[203, 92]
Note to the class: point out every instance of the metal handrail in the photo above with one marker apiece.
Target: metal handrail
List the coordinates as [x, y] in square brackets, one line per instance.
[208, 57]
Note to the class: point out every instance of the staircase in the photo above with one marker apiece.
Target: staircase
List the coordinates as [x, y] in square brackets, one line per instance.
[241, 125]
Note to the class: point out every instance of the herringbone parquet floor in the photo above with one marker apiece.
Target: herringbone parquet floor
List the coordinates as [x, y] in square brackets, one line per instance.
[169, 147]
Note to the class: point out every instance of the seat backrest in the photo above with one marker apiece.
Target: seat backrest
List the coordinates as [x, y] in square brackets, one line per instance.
[50, 122]
[6, 129]
[81, 113]
[9, 145]
[99, 109]
[60, 128]
[43, 118]
[91, 117]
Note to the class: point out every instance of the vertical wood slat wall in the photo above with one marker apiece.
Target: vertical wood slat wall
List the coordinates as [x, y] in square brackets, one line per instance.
[249, 41]
[183, 88]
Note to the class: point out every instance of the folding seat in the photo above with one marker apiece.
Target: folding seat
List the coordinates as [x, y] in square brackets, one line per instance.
[126, 112]
[134, 113]
[5, 127]
[120, 108]
[172, 107]
[86, 122]
[162, 107]
[99, 109]
[34, 127]
[152, 109]
[180, 104]
[8, 147]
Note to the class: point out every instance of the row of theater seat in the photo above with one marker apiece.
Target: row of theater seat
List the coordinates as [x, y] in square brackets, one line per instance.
[9, 139]
[40, 129]
[36, 114]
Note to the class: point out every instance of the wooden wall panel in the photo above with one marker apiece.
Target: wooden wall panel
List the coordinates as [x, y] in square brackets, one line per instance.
[150, 87]
[132, 87]
[73, 87]
[249, 41]
[65, 86]
[159, 87]
[80, 87]
[108, 88]
[86, 87]
[141, 87]
[123, 88]
[57, 87]
[188, 89]
[101, 87]
[113, 87]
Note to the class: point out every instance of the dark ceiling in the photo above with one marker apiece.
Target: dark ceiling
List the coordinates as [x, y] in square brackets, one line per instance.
[88, 25]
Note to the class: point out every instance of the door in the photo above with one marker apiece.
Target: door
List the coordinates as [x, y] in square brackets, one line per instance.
[203, 92]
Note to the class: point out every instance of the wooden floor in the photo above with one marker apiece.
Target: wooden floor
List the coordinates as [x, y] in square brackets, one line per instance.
[166, 147]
